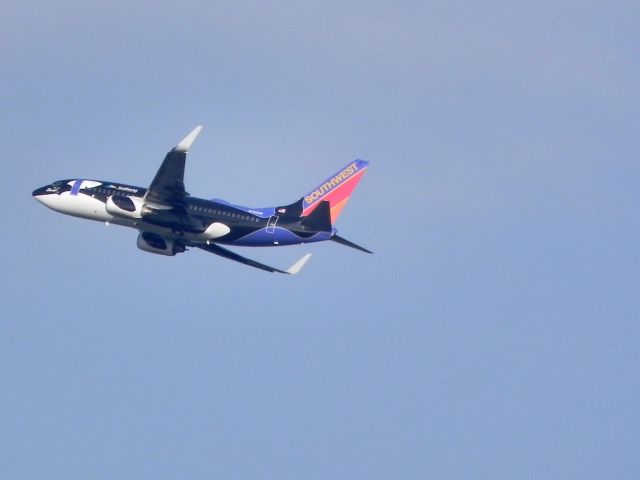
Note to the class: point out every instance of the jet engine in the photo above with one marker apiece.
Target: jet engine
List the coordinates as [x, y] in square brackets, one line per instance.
[152, 243]
[122, 206]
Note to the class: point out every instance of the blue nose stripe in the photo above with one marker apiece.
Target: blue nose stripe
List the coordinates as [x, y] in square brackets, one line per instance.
[75, 188]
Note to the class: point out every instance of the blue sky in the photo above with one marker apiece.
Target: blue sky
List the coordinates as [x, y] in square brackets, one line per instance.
[493, 334]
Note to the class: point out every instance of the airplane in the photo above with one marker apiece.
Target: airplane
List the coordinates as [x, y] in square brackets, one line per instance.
[169, 219]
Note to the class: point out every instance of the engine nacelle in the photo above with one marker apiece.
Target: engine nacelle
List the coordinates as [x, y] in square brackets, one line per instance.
[152, 243]
[122, 206]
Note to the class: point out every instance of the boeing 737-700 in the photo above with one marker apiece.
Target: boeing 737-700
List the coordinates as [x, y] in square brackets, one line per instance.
[169, 219]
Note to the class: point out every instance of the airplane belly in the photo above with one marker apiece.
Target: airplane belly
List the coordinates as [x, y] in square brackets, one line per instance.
[277, 237]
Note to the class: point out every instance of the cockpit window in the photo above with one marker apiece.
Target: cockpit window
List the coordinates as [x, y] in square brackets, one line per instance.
[56, 184]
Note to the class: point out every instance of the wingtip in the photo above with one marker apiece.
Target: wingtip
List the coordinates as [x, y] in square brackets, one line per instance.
[187, 141]
[296, 267]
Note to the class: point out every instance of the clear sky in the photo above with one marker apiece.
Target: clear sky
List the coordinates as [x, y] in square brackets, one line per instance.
[493, 334]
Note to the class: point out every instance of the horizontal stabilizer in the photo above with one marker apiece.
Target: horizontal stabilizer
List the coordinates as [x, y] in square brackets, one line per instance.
[344, 241]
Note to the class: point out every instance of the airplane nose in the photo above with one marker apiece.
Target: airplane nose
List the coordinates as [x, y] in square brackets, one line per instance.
[43, 196]
[39, 191]
[38, 194]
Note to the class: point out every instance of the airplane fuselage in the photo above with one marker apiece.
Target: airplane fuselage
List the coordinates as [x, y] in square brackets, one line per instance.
[198, 220]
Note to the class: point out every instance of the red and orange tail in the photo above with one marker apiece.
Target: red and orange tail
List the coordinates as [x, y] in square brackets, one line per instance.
[337, 189]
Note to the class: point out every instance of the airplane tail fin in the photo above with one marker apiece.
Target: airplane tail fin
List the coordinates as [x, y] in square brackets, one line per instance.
[320, 218]
[336, 190]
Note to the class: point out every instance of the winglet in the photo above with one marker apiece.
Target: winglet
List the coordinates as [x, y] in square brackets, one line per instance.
[296, 267]
[186, 143]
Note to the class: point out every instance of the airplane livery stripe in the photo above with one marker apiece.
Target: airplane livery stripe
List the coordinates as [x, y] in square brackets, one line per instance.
[337, 210]
[75, 188]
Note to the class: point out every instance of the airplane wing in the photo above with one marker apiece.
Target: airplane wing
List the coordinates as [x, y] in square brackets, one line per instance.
[223, 252]
[167, 187]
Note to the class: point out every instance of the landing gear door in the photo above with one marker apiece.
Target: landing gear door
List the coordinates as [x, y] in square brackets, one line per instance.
[271, 223]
